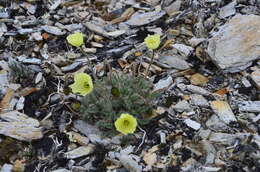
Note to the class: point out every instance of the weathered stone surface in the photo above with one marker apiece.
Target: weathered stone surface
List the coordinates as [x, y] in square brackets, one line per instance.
[256, 78]
[198, 100]
[80, 151]
[129, 163]
[227, 139]
[175, 62]
[145, 18]
[19, 126]
[249, 106]
[53, 30]
[223, 111]
[236, 44]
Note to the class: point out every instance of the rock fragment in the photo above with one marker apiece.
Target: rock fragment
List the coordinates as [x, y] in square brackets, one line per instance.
[227, 139]
[256, 78]
[163, 83]
[182, 106]
[198, 100]
[192, 124]
[175, 62]
[249, 106]
[223, 110]
[129, 163]
[19, 126]
[140, 19]
[228, 10]
[198, 90]
[80, 151]
[53, 30]
[236, 44]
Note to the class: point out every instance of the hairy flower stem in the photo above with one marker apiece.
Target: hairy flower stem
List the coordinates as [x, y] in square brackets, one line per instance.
[147, 70]
[89, 63]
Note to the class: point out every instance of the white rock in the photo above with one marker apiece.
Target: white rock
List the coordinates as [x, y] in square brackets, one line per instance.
[192, 124]
[223, 110]
[38, 78]
[80, 151]
[163, 83]
[129, 163]
[20, 103]
[236, 44]
[7, 168]
[37, 36]
[228, 10]
[249, 106]
[196, 41]
[174, 7]
[61, 170]
[210, 151]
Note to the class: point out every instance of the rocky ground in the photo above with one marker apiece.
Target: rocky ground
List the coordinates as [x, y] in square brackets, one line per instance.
[207, 67]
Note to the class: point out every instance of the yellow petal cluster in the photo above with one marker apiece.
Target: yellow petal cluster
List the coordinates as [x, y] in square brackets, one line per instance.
[76, 39]
[126, 124]
[82, 84]
[152, 41]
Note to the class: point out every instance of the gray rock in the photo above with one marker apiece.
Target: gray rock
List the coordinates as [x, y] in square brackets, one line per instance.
[53, 30]
[182, 106]
[210, 151]
[140, 19]
[19, 126]
[228, 10]
[61, 170]
[198, 100]
[197, 90]
[86, 128]
[236, 44]
[32, 61]
[129, 163]
[71, 67]
[7, 168]
[184, 50]
[173, 8]
[80, 151]
[223, 110]
[249, 106]
[214, 123]
[163, 83]
[227, 139]
[175, 62]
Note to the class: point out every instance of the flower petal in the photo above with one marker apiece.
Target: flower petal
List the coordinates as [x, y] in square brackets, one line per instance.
[124, 127]
[75, 39]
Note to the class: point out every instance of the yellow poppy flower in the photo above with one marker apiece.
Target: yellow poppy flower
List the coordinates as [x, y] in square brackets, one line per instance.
[126, 124]
[76, 39]
[82, 84]
[152, 41]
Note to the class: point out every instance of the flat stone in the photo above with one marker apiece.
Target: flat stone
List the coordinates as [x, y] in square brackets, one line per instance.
[227, 139]
[236, 44]
[256, 78]
[198, 100]
[71, 67]
[192, 124]
[210, 151]
[223, 110]
[175, 62]
[140, 19]
[182, 106]
[129, 163]
[214, 123]
[249, 106]
[53, 30]
[80, 151]
[6, 168]
[198, 79]
[163, 83]
[184, 50]
[19, 126]
[228, 10]
[173, 8]
[197, 90]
